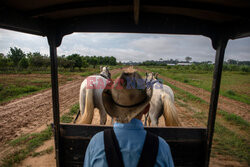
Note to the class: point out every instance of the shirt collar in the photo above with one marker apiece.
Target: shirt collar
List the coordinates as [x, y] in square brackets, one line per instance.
[133, 124]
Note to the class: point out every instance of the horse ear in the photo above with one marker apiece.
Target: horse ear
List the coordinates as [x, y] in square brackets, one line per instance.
[146, 74]
[156, 75]
[101, 68]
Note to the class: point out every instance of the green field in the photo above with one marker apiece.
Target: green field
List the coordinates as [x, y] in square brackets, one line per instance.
[234, 85]
[16, 85]
[231, 136]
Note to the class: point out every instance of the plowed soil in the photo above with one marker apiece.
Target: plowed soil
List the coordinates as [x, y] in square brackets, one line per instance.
[226, 104]
[33, 113]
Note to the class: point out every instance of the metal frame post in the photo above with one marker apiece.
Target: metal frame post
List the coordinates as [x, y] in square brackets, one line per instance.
[55, 95]
[220, 51]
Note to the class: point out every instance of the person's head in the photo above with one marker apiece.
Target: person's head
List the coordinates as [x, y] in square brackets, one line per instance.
[127, 98]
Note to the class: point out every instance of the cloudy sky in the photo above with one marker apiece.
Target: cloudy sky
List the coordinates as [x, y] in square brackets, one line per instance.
[128, 47]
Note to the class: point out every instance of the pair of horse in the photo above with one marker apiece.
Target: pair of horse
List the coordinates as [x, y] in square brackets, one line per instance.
[162, 101]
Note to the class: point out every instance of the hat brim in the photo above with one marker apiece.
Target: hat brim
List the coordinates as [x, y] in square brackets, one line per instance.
[123, 114]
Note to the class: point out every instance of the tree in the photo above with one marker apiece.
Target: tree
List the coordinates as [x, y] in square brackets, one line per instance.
[23, 63]
[3, 61]
[232, 61]
[188, 59]
[84, 63]
[15, 55]
[37, 60]
[112, 61]
[93, 61]
[76, 58]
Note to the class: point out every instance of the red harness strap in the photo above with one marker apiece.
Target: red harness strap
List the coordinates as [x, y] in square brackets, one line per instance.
[114, 156]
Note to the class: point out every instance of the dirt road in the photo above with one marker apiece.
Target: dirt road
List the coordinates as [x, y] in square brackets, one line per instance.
[27, 114]
[31, 113]
[226, 104]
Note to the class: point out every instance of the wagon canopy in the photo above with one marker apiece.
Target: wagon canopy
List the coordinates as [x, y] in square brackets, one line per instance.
[219, 20]
[197, 17]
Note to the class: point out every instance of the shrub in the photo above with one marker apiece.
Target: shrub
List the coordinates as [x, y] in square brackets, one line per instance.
[230, 92]
[23, 63]
[245, 68]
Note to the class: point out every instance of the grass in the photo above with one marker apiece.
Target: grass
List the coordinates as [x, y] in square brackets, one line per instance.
[14, 86]
[227, 142]
[88, 73]
[25, 145]
[235, 119]
[68, 117]
[116, 75]
[234, 85]
[13, 91]
[184, 95]
[40, 153]
[29, 143]
[23, 83]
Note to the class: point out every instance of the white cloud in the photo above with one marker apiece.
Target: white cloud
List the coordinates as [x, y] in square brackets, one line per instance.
[127, 47]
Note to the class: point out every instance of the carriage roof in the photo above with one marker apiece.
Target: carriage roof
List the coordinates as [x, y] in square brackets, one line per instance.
[198, 17]
[220, 20]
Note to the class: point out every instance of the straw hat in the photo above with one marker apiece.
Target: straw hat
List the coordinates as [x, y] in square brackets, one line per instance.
[126, 97]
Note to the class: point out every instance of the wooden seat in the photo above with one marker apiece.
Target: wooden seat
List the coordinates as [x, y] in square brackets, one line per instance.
[187, 144]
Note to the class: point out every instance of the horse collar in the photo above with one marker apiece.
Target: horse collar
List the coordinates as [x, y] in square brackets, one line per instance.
[104, 76]
[155, 81]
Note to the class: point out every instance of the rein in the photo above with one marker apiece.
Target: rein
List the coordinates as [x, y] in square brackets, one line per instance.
[104, 76]
[151, 83]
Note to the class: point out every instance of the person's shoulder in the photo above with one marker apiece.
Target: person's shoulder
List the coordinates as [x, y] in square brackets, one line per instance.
[98, 136]
[164, 157]
[96, 140]
[163, 145]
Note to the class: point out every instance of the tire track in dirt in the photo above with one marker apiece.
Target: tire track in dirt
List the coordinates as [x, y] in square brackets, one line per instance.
[224, 103]
[184, 114]
[29, 113]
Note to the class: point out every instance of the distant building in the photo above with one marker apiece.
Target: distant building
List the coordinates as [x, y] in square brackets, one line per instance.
[184, 64]
[170, 64]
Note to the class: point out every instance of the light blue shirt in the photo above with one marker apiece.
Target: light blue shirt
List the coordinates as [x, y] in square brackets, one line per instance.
[131, 137]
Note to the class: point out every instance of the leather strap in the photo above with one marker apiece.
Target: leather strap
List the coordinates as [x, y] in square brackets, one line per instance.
[112, 149]
[114, 156]
[149, 151]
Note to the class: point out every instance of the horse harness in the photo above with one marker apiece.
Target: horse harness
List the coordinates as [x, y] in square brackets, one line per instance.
[114, 155]
[104, 76]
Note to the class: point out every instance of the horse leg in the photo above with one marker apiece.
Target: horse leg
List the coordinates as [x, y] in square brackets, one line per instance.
[146, 119]
[149, 121]
[103, 116]
[153, 119]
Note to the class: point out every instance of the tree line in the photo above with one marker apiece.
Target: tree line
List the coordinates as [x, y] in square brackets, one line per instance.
[229, 65]
[17, 59]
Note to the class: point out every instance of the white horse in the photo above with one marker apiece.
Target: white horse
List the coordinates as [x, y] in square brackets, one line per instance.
[91, 97]
[162, 102]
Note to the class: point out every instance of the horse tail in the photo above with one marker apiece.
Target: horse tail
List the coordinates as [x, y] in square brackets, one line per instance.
[169, 111]
[87, 115]
[82, 99]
